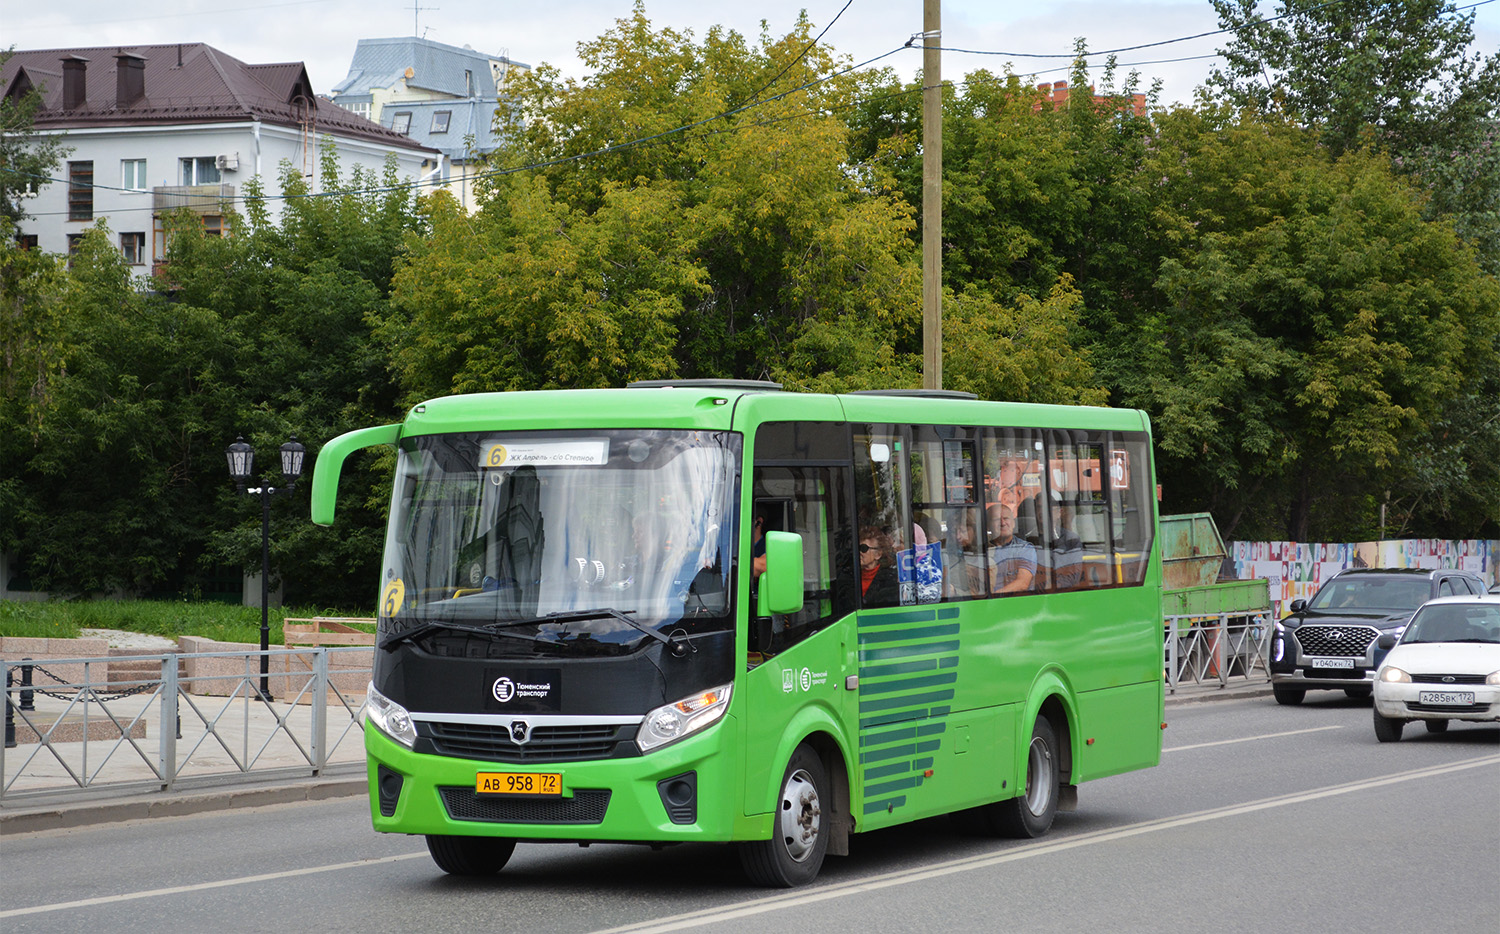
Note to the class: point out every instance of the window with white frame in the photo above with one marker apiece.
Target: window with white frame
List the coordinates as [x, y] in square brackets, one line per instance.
[358, 107]
[199, 170]
[133, 174]
[133, 248]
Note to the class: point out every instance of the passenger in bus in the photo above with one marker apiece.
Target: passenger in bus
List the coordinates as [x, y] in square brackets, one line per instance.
[877, 567]
[1012, 559]
[964, 574]
[1066, 547]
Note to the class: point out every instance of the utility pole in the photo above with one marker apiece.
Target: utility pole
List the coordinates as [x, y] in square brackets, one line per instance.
[932, 195]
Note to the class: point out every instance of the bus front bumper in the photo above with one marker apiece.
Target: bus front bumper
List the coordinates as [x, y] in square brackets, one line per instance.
[680, 793]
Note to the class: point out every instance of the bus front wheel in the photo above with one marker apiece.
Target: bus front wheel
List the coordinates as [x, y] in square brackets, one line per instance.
[1030, 814]
[470, 856]
[799, 841]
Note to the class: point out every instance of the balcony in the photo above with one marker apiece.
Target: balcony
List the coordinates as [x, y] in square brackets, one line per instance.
[200, 199]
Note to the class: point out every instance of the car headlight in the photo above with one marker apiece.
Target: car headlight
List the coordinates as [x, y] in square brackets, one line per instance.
[1492, 678]
[390, 717]
[680, 718]
[1394, 675]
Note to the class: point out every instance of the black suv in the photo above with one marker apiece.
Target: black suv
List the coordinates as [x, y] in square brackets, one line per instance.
[1329, 641]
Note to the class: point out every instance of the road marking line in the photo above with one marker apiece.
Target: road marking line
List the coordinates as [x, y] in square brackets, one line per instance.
[964, 864]
[1246, 739]
[203, 886]
[776, 903]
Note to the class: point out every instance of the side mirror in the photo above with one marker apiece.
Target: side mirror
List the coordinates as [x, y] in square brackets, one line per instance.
[781, 584]
[1387, 640]
[1298, 606]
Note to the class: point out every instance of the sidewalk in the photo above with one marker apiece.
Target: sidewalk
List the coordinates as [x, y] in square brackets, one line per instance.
[279, 783]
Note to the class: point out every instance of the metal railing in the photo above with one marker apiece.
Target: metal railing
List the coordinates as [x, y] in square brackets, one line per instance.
[84, 729]
[1205, 649]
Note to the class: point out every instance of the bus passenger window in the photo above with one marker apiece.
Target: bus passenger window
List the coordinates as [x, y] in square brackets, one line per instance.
[1130, 491]
[1013, 490]
[882, 497]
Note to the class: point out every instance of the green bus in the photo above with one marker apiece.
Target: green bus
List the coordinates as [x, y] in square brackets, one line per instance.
[712, 610]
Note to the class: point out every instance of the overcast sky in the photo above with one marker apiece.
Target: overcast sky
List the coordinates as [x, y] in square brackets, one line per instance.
[322, 33]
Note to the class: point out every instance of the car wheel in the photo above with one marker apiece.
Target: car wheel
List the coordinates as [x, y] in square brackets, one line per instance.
[1289, 697]
[795, 852]
[1031, 814]
[470, 856]
[1436, 726]
[1386, 729]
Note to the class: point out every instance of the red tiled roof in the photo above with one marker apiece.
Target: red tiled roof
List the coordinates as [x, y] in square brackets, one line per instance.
[186, 83]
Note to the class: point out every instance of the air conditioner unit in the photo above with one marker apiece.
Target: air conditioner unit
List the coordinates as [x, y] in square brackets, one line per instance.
[229, 162]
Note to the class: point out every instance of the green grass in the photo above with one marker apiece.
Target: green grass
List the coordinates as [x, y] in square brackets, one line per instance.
[222, 622]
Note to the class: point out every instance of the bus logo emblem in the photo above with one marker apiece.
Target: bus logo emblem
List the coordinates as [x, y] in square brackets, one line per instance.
[504, 690]
[788, 682]
[520, 732]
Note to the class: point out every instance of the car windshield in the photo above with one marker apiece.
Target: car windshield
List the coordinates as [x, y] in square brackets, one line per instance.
[563, 537]
[1372, 592]
[1454, 622]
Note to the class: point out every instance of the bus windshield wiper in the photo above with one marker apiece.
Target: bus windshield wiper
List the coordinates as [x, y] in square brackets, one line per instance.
[677, 647]
[491, 630]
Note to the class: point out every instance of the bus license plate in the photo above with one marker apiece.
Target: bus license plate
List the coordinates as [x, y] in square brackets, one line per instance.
[1446, 698]
[1332, 663]
[518, 783]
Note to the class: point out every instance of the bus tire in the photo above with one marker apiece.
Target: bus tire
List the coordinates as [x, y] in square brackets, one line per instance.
[470, 856]
[799, 841]
[1031, 813]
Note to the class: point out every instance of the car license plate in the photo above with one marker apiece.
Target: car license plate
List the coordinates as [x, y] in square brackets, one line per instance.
[1331, 662]
[1446, 698]
[518, 783]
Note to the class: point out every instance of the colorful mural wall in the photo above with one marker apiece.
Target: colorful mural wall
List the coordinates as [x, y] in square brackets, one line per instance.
[1297, 569]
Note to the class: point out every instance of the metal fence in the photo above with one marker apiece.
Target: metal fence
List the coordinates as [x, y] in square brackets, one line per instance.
[1202, 649]
[70, 725]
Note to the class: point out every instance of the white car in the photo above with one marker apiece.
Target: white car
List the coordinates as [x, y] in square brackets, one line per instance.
[1444, 666]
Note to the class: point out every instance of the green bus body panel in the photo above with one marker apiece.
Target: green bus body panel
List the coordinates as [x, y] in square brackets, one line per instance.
[942, 711]
[330, 464]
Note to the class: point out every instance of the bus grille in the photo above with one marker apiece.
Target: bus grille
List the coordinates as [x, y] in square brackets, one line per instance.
[587, 806]
[547, 743]
[1333, 641]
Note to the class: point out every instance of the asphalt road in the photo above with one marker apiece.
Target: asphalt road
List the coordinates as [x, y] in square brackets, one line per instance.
[1260, 818]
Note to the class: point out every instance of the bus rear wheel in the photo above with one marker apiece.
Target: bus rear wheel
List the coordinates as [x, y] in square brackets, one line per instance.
[799, 840]
[1031, 814]
[470, 856]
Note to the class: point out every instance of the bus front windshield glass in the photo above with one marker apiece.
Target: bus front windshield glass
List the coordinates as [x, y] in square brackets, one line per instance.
[566, 537]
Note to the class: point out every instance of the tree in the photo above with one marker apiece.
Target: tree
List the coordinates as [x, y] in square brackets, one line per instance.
[1314, 331]
[27, 159]
[1396, 75]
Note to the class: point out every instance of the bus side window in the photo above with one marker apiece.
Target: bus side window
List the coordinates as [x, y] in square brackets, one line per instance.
[1075, 475]
[1131, 505]
[812, 501]
[884, 519]
[1013, 487]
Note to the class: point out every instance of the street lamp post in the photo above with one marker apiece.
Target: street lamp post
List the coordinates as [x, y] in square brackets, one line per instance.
[241, 465]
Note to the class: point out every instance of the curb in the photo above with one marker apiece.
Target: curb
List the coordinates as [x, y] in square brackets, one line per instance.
[139, 807]
[1238, 692]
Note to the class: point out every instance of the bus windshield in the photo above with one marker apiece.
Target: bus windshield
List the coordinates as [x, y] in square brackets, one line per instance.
[562, 539]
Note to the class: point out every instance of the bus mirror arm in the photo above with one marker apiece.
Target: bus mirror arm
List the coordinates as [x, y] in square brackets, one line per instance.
[330, 462]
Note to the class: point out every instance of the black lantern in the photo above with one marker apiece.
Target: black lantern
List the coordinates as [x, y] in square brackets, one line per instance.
[291, 460]
[241, 459]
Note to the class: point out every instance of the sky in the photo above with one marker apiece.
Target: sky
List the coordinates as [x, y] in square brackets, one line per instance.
[322, 33]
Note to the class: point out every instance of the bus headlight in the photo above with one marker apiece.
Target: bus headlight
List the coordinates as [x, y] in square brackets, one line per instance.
[678, 719]
[390, 717]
